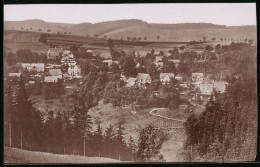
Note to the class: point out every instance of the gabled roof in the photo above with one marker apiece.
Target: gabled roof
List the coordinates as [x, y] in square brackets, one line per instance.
[24, 65]
[55, 72]
[175, 60]
[37, 65]
[131, 79]
[55, 51]
[14, 74]
[162, 75]
[142, 76]
[66, 52]
[158, 58]
[106, 55]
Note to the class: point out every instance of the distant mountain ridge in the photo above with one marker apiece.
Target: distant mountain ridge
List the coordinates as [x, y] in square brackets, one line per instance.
[137, 28]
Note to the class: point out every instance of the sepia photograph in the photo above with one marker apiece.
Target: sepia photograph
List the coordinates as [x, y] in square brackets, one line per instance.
[127, 83]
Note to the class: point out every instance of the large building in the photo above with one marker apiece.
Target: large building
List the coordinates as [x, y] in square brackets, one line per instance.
[54, 53]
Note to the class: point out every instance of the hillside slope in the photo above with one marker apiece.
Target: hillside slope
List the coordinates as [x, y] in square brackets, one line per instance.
[138, 28]
[13, 155]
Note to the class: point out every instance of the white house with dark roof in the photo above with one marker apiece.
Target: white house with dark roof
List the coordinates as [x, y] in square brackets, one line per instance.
[178, 77]
[131, 81]
[165, 78]
[143, 79]
[197, 77]
[54, 53]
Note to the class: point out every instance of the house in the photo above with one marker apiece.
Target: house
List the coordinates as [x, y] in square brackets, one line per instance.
[197, 77]
[158, 58]
[54, 53]
[106, 55]
[26, 66]
[74, 71]
[159, 64]
[184, 85]
[220, 86]
[176, 62]
[123, 78]
[138, 65]
[178, 77]
[56, 72]
[168, 54]
[131, 82]
[143, 79]
[52, 79]
[165, 78]
[206, 87]
[31, 82]
[39, 67]
[67, 53]
[14, 75]
[108, 62]
[68, 58]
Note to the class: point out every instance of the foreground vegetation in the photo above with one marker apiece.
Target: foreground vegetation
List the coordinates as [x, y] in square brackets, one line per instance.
[227, 130]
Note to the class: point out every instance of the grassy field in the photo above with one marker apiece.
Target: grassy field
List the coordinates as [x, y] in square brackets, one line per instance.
[105, 114]
[13, 156]
[32, 46]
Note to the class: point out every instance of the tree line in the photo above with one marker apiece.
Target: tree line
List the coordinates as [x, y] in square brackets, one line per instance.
[69, 132]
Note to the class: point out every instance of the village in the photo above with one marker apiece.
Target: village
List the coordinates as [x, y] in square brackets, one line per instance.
[62, 66]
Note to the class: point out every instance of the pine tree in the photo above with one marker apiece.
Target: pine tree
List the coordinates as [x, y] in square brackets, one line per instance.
[109, 141]
[98, 141]
[25, 109]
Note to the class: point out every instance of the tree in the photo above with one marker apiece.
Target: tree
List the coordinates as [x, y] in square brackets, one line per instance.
[129, 66]
[182, 47]
[149, 144]
[115, 68]
[158, 37]
[213, 39]
[49, 30]
[109, 141]
[98, 140]
[208, 48]
[145, 38]
[218, 46]
[152, 69]
[25, 110]
[204, 39]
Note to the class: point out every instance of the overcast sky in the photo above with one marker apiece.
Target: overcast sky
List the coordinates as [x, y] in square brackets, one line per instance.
[225, 14]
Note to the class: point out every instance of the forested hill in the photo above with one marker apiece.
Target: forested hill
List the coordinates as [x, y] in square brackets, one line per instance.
[137, 28]
[227, 129]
